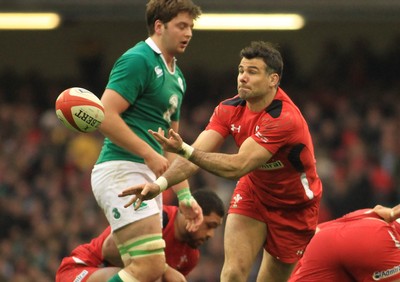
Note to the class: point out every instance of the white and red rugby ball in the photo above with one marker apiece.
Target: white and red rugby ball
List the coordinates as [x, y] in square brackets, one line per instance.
[79, 109]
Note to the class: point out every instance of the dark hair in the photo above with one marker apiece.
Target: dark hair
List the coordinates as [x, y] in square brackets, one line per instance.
[166, 10]
[266, 51]
[209, 201]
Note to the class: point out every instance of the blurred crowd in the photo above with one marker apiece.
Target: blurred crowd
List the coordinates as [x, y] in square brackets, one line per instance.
[350, 99]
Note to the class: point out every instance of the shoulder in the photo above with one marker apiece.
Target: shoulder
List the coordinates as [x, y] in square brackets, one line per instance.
[235, 101]
[283, 110]
[228, 108]
[141, 53]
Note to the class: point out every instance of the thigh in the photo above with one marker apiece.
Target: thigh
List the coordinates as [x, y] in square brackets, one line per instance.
[290, 231]
[70, 271]
[244, 237]
[273, 270]
[109, 179]
[145, 226]
[103, 274]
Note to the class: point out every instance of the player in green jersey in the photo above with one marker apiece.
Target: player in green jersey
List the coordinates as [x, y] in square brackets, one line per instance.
[144, 91]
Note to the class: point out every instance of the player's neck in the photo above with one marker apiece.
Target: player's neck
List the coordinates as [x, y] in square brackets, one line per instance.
[168, 57]
[258, 104]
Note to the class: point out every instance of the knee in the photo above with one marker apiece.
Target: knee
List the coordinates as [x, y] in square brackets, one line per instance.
[147, 269]
[231, 273]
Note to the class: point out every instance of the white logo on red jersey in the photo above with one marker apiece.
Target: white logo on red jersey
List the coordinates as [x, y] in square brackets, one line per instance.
[259, 135]
[234, 128]
[183, 260]
[236, 200]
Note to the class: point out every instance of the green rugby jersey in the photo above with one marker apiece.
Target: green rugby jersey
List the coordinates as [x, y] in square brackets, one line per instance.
[155, 95]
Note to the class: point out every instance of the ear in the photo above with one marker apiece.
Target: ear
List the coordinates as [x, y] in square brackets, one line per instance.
[158, 27]
[274, 77]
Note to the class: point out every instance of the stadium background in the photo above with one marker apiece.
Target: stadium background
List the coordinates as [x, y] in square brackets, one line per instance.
[341, 69]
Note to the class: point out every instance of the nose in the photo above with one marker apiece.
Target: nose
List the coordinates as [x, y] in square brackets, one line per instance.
[242, 77]
[210, 233]
[189, 32]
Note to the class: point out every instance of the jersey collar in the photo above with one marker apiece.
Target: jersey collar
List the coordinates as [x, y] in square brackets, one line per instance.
[153, 45]
[155, 48]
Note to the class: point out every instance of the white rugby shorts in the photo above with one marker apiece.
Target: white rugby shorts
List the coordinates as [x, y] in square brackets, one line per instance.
[109, 179]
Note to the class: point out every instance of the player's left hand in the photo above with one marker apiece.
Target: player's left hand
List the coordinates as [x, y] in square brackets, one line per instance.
[140, 192]
[172, 144]
[193, 214]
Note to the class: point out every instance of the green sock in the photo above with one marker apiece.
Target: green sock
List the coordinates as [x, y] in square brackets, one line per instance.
[115, 278]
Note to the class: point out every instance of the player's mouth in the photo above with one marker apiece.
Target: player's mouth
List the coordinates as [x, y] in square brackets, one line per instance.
[184, 44]
[242, 87]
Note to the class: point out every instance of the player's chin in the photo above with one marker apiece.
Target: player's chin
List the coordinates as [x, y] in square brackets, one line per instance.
[180, 50]
[196, 244]
[243, 94]
[182, 47]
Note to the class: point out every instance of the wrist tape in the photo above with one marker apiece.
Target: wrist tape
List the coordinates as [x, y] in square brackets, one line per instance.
[185, 196]
[162, 182]
[186, 151]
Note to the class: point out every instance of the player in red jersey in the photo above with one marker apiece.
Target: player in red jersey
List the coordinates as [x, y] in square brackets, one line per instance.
[99, 260]
[361, 246]
[276, 201]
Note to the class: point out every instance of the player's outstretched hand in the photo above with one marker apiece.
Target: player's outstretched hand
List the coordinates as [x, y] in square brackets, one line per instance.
[172, 144]
[193, 214]
[140, 192]
[384, 212]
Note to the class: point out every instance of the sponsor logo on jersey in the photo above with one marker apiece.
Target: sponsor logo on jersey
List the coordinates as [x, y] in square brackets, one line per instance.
[143, 205]
[81, 276]
[272, 166]
[379, 275]
[158, 70]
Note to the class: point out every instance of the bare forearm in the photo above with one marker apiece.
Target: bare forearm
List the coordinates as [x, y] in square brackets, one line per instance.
[224, 165]
[179, 171]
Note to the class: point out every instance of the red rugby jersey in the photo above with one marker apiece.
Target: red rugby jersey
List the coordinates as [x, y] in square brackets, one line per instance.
[289, 178]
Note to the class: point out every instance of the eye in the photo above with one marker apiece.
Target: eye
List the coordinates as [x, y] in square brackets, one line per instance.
[183, 26]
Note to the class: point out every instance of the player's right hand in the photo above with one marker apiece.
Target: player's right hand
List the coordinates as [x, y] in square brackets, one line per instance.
[171, 144]
[140, 192]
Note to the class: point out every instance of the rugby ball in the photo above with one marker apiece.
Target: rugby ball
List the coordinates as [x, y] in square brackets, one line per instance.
[79, 109]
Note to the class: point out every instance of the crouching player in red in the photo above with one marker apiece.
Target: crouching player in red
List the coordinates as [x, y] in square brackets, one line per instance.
[361, 246]
[99, 260]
